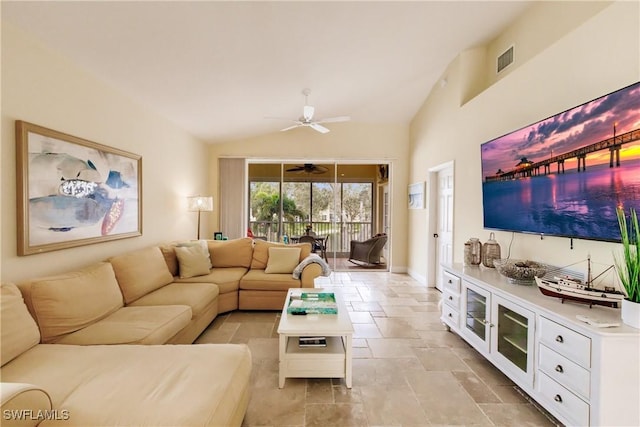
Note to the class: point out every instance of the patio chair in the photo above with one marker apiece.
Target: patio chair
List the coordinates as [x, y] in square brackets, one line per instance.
[369, 251]
[308, 239]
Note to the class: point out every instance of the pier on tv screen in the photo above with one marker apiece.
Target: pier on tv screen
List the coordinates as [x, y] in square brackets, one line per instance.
[566, 175]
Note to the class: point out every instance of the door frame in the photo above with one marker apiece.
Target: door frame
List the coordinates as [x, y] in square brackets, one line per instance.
[432, 218]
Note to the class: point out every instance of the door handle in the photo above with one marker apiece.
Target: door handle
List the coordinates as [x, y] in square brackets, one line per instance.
[435, 235]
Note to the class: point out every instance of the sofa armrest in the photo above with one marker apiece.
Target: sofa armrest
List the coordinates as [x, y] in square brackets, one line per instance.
[24, 404]
[309, 273]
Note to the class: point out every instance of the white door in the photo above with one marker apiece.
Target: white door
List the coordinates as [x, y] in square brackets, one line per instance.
[444, 226]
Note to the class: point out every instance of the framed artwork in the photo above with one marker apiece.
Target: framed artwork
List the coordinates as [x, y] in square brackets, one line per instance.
[73, 192]
[416, 196]
[217, 235]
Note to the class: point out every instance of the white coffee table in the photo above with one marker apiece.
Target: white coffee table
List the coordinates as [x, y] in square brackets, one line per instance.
[332, 361]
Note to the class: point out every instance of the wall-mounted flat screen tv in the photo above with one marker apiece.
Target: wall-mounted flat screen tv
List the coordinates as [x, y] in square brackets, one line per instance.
[567, 174]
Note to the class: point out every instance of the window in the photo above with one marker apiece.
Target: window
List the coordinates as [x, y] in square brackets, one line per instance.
[343, 211]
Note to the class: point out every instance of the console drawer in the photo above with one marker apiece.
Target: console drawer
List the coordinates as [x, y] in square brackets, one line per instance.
[564, 371]
[451, 282]
[562, 402]
[572, 345]
[450, 316]
[451, 298]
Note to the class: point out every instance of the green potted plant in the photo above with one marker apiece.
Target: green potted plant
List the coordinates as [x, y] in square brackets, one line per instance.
[628, 266]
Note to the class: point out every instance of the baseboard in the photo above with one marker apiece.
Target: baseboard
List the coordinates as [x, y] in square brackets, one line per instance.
[399, 270]
[422, 279]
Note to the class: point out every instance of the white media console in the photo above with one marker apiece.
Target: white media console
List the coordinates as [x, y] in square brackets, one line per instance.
[583, 375]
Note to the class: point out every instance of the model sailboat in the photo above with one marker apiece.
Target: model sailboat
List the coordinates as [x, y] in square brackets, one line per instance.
[569, 288]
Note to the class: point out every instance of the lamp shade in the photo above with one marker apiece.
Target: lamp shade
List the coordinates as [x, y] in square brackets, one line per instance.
[200, 203]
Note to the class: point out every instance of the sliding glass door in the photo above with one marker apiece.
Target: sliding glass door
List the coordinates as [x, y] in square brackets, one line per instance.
[337, 203]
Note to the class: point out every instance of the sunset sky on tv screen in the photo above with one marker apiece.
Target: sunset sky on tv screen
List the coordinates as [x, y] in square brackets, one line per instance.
[583, 125]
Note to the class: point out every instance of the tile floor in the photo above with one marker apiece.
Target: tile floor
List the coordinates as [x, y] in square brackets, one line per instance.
[407, 369]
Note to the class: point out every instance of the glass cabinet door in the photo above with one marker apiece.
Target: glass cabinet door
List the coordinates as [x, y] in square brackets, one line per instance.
[514, 338]
[476, 304]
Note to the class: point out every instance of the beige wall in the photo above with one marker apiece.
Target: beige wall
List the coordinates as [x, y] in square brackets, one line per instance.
[592, 57]
[348, 143]
[42, 87]
[558, 65]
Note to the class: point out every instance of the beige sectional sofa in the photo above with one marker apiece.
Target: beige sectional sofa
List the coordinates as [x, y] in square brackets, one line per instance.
[116, 385]
[78, 356]
[143, 297]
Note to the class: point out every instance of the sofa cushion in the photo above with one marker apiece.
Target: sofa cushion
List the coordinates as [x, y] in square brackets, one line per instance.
[170, 258]
[261, 252]
[282, 260]
[134, 325]
[259, 280]
[136, 385]
[198, 296]
[140, 272]
[192, 261]
[227, 279]
[231, 253]
[69, 302]
[19, 331]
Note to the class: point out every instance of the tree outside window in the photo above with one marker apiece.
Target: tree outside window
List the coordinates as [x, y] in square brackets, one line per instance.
[340, 210]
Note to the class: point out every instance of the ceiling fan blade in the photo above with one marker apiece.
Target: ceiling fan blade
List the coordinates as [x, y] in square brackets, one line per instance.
[280, 118]
[296, 169]
[334, 119]
[307, 112]
[319, 169]
[319, 128]
[291, 127]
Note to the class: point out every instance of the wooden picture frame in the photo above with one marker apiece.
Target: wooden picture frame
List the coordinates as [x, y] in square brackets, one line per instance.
[73, 192]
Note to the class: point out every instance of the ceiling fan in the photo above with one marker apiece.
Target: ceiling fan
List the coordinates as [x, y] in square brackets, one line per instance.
[306, 120]
[309, 168]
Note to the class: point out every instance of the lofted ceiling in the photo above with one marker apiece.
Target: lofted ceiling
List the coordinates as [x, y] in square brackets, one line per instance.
[217, 69]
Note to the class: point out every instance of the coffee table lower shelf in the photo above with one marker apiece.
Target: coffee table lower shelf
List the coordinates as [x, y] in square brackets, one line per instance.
[314, 362]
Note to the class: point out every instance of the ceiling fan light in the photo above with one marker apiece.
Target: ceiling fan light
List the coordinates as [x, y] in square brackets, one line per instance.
[307, 112]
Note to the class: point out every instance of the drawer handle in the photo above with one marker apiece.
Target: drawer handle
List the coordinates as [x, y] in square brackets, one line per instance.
[450, 315]
[559, 369]
[558, 398]
[450, 298]
[559, 339]
[450, 281]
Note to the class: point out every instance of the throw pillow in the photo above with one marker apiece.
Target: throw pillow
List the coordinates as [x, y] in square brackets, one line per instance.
[282, 260]
[192, 261]
[205, 248]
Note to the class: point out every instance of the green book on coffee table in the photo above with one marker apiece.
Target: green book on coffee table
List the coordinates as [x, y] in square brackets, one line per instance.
[313, 303]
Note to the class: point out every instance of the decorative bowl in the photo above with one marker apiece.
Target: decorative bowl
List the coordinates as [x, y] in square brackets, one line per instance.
[520, 271]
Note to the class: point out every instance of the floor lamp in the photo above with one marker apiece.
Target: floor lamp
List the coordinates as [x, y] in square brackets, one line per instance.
[200, 204]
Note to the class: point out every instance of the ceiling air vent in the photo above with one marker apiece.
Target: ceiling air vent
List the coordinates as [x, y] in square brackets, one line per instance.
[505, 59]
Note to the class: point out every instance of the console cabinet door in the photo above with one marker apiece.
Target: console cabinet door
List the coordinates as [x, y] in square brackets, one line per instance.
[512, 341]
[476, 309]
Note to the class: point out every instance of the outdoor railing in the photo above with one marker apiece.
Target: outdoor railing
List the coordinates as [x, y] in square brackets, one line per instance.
[339, 235]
